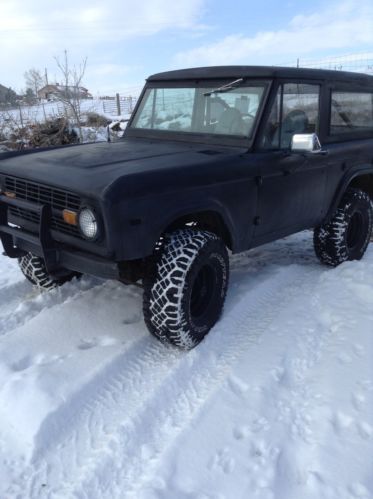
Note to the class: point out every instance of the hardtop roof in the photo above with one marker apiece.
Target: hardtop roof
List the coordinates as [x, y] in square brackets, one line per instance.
[216, 72]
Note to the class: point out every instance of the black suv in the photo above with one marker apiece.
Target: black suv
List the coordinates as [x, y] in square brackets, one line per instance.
[212, 158]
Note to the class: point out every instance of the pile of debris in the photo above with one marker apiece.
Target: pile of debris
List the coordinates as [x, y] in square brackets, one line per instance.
[53, 132]
[4, 148]
[96, 120]
[56, 132]
[59, 131]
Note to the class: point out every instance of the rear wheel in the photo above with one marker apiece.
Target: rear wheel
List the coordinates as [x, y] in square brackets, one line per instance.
[185, 292]
[34, 269]
[346, 236]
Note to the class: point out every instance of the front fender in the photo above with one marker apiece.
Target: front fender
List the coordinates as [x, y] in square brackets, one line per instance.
[141, 232]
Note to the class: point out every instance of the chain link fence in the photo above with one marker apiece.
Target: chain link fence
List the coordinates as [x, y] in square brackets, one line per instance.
[116, 107]
[29, 114]
[360, 63]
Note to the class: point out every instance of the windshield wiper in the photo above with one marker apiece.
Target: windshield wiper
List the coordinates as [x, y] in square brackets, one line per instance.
[224, 88]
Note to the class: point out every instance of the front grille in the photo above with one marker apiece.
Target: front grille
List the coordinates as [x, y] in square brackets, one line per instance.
[42, 194]
[57, 223]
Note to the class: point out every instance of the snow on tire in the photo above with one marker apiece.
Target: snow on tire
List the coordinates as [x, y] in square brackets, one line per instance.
[346, 236]
[33, 268]
[184, 297]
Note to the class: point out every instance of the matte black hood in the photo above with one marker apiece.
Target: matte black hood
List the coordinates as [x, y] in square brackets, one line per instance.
[92, 168]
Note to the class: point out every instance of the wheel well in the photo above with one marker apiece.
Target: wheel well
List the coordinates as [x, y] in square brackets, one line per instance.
[365, 183]
[204, 220]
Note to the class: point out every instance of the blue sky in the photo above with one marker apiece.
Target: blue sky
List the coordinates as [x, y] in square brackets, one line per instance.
[126, 40]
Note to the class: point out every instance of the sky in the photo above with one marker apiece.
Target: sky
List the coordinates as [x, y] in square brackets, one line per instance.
[125, 41]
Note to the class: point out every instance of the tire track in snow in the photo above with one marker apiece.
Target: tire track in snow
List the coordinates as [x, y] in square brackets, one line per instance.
[15, 293]
[121, 390]
[287, 400]
[26, 302]
[183, 400]
[139, 411]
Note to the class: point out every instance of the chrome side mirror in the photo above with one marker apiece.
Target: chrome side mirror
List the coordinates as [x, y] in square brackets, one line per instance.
[306, 142]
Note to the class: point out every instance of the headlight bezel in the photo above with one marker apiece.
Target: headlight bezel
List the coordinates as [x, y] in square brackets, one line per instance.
[97, 219]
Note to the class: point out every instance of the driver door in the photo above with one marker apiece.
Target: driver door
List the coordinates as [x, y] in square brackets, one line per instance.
[291, 185]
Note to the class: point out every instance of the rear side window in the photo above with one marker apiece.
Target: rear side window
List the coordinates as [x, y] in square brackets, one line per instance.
[351, 112]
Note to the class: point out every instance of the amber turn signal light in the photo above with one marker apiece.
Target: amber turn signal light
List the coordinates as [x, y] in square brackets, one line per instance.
[10, 194]
[70, 217]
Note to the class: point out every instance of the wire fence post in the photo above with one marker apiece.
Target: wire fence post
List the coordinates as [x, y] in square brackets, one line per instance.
[118, 104]
[20, 115]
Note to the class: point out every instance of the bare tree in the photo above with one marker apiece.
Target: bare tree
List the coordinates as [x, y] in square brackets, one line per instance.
[34, 80]
[70, 92]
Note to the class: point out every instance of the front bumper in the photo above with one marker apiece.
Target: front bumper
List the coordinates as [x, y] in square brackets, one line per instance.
[57, 256]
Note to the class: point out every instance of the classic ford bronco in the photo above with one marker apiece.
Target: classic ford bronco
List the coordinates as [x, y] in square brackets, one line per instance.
[212, 159]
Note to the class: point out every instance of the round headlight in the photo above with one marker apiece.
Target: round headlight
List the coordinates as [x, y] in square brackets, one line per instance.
[88, 223]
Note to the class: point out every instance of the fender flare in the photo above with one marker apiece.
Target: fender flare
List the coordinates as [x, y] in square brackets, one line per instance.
[208, 205]
[343, 185]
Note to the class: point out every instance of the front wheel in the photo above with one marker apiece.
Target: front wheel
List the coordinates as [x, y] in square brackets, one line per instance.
[346, 236]
[34, 269]
[185, 293]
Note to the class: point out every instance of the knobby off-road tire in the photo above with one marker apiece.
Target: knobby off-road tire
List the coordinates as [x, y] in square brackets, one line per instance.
[347, 235]
[185, 291]
[33, 268]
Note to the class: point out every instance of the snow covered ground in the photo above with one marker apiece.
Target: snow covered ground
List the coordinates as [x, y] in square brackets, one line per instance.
[277, 402]
[50, 110]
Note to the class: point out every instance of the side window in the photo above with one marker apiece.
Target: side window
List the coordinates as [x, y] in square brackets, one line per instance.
[295, 110]
[351, 112]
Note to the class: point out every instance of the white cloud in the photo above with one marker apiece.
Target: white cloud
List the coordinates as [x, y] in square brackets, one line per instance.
[341, 26]
[32, 32]
[110, 78]
[96, 20]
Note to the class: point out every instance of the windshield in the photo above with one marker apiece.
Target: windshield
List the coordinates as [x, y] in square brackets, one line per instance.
[200, 109]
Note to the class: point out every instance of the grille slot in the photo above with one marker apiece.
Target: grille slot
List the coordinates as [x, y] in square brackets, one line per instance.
[62, 226]
[30, 216]
[41, 194]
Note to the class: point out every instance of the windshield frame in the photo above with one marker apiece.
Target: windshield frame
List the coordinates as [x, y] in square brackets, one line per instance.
[200, 137]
